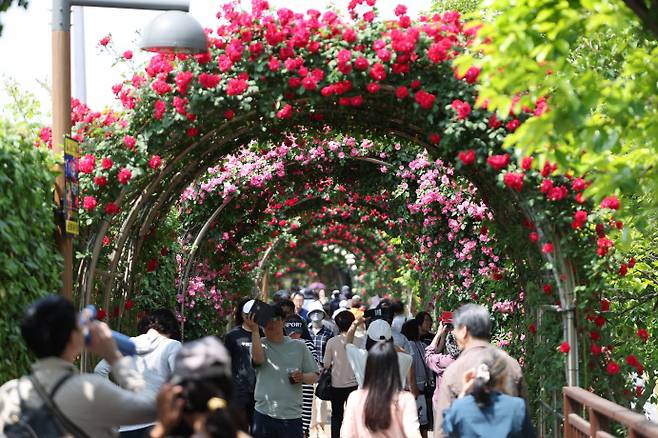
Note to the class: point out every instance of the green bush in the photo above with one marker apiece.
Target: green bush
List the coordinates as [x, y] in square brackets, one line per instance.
[29, 260]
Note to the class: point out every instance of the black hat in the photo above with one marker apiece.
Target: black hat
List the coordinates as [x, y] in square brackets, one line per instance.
[294, 324]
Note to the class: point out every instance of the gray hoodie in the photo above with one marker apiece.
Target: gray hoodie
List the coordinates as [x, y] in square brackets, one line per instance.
[154, 361]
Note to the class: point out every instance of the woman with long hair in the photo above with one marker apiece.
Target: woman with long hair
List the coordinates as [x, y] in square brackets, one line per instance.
[484, 408]
[381, 409]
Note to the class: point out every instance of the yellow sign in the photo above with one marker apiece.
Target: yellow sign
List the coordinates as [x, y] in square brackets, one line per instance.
[71, 203]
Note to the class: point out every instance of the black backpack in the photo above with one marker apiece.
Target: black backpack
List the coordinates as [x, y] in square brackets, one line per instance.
[45, 421]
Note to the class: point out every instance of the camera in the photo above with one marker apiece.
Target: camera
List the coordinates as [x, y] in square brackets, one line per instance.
[378, 313]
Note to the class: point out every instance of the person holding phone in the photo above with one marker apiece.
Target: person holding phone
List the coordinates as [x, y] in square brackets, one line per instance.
[282, 365]
[442, 351]
[92, 405]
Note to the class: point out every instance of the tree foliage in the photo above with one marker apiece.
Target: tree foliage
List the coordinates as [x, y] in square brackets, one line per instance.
[591, 62]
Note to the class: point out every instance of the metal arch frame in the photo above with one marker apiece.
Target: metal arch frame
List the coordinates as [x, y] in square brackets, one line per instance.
[405, 131]
[165, 195]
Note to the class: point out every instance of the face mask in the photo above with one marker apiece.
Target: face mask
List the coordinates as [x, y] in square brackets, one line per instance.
[317, 317]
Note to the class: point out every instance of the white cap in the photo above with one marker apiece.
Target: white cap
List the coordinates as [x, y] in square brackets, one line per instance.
[355, 297]
[379, 330]
[315, 306]
[337, 311]
[247, 306]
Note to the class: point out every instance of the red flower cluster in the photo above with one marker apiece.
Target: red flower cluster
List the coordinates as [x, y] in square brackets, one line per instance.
[89, 203]
[425, 99]
[124, 176]
[467, 157]
[579, 219]
[498, 162]
[463, 108]
[603, 246]
[611, 202]
[155, 161]
[565, 347]
[87, 164]
[208, 80]
[643, 334]
[514, 180]
[236, 86]
[613, 368]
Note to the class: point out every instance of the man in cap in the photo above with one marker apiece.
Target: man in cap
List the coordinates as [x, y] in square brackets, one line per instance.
[282, 365]
[238, 343]
[378, 330]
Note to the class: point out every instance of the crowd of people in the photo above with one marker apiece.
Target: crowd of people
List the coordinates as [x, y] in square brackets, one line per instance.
[383, 374]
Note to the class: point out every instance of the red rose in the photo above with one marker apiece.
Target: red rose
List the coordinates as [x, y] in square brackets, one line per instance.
[87, 163]
[377, 72]
[425, 99]
[613, 368]
[623, 269]
[155, 161]
[129, 141]
[526, 163]
[236, 86]
[400, 10]
[192, 132]
[494, 123]
[632, 360]
[164, 251]
[435, 138]
[498, 162]
[596, 349]
[229, 114]
[579, 219]
[578, 185]
[605, 305]
[104, 42]
[565, 347]
[603, 246]
[361, 63]
[151, 265]
[106, 240]
[101, 314]
[128, 54]
[631, 262]
[548, 169]
[532, 328]
[643, 334]
[463, 108]
[599, 321]
[285, 112]
[208, 80]
[111, 208]
[514, 180]
[100, 181]
[372, 87]
[512, 125]
[467, 157]
[89, 203]
[159, 108]
[161, 87]
[129, 304]
[401, 92]
[611, 202]
[124, 176]
[557, 193]
[548, 289]
[534, 237]
[547, 248]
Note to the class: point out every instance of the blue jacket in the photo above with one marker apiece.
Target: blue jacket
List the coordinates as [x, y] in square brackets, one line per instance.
[505, 416]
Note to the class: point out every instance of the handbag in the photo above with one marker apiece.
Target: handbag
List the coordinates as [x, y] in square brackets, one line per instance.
[323, 389]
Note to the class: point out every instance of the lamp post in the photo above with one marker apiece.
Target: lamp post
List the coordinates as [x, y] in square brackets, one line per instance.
[173, 31]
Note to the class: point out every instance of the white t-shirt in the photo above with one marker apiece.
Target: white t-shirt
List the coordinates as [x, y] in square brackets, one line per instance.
[358, 358]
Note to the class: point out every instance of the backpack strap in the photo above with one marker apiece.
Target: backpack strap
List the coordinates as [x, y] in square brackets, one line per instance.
[52, 407]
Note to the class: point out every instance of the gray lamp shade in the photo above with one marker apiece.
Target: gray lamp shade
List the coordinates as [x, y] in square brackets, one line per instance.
[174, 31]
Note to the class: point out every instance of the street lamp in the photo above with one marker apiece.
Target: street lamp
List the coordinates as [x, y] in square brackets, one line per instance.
[173, 31]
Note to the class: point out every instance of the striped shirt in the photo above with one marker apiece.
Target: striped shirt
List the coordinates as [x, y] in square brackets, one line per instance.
[308, 393]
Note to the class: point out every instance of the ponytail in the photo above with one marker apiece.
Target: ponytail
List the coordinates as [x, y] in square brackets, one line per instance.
[490, 376]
